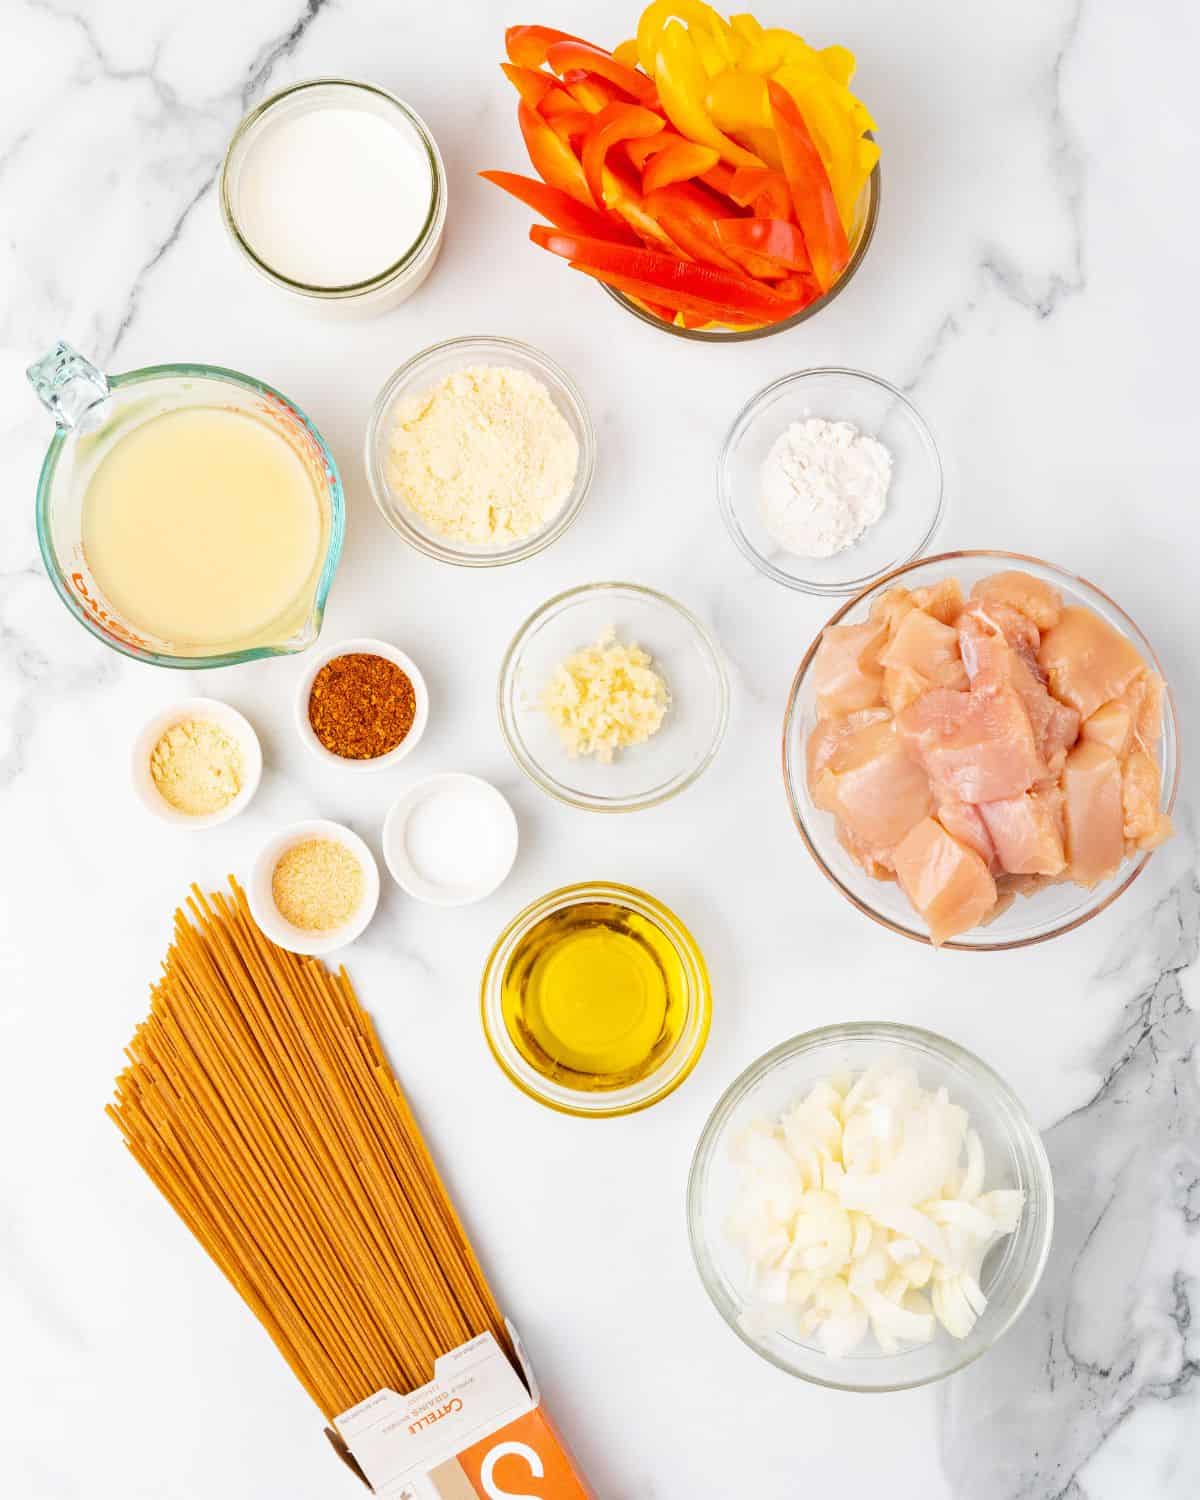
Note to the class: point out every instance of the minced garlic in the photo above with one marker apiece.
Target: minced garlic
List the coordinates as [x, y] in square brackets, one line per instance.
[317, 885]
[605, 698]
[484, 457]
[197, 767]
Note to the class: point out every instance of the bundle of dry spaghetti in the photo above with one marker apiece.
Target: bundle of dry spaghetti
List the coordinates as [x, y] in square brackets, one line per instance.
[259, 1100]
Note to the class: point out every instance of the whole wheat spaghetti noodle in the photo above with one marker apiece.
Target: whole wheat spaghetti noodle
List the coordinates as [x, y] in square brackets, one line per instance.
[258, 1099]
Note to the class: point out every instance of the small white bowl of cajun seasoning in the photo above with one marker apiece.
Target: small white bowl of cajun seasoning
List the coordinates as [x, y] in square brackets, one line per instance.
[362, 704]
[314, 887]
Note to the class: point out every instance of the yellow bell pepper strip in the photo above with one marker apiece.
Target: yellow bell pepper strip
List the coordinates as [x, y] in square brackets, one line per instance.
[539, 90]
[726, 292]
[563, 211]
[614, 123]
[527, 45]
[552, 157]
[682, 87]
[762, 189]
[679, 162]
[700, 18]
[812, 196]
[566, 57]
[737, 100]
[746, 27]
[839, 63]
[627, 52]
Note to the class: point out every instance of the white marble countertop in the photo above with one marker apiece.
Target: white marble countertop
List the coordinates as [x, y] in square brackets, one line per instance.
[1033, 286]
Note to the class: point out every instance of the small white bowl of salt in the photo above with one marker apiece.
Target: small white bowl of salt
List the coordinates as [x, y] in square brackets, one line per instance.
[450, 840]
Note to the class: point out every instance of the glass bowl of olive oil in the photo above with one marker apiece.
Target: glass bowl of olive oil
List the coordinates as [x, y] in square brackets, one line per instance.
[596, 1000]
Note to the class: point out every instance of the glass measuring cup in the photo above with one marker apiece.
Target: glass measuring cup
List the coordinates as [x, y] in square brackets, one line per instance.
[92, 413]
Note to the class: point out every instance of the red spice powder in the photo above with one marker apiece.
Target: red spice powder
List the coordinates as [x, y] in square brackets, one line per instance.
[361, 705]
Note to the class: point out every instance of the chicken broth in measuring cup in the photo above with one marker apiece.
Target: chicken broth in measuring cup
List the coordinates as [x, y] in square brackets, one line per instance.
[202, 527]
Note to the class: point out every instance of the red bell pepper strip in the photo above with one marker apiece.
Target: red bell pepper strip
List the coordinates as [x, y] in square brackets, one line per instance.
[552, 158]
[561, 209]
[614, 123]
[735, 294]
[688, 220]
[541, 91]
[678, 162]
[696, 310]
[564, 57]
[764, 190]
[527, 45]
[812, 196]
[777, 239]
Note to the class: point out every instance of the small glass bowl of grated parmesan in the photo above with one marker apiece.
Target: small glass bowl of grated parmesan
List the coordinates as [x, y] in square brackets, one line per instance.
[480, 451]
[613, 697]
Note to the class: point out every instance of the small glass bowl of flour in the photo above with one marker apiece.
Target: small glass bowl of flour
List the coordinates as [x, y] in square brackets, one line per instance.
[480, 451]
[829, 479]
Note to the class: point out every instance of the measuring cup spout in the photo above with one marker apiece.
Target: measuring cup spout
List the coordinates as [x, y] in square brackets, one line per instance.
[67, 384]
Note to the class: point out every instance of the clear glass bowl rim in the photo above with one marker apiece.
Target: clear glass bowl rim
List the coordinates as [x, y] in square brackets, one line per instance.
[333, 551]
[839, 614]
[696, 1024]
[437, 200]
[445, 552]
[506, 686]
[908, 1038]
[874, 190]
[737, 430]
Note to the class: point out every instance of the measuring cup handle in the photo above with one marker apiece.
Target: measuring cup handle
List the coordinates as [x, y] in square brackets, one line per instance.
[67, 384]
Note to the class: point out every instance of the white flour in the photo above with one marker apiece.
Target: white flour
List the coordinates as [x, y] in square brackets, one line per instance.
[823, 484]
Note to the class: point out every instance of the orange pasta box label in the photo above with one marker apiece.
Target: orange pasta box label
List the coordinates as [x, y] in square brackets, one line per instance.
[475, 1432]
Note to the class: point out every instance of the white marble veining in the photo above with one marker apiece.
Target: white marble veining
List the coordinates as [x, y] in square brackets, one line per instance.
[1033, 284]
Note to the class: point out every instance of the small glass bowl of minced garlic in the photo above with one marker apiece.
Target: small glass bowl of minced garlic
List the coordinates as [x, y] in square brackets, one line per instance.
[197, 763]
[613, 697]
[313, 887]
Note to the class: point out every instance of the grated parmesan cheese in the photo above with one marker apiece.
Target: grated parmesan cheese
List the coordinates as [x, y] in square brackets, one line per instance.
[484, 457]
[605, 698]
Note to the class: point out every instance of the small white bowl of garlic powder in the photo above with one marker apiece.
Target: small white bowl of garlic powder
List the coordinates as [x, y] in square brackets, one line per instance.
[197, 763]
[829, 479]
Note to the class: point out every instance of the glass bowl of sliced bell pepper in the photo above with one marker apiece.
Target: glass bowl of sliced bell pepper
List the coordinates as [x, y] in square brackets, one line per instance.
[718, 178]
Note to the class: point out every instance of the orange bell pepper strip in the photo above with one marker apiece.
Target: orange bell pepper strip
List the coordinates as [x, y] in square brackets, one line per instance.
[720, 178]
[614, 123]
[729, 292]
[539, 90]
[527, 45]
[679, 161]
[571, 125]
[563, 211]
[590, 90]
[775, 239]
[692, 310]
[640, 151]
[812, 196]
[564, 57]
[552, 157]
[764, 190]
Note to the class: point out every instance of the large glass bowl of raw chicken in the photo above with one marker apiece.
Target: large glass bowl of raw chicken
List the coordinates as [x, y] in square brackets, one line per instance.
[980, 751]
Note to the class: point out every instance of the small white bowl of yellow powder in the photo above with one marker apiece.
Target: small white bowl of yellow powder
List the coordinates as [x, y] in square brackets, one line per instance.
[480, 451]
[196, 764]
[314, 887]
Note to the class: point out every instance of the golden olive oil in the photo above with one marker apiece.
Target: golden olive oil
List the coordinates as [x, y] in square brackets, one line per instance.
[594, 996]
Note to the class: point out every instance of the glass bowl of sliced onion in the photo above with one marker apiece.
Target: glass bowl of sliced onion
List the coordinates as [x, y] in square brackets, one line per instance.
[870, 1207]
